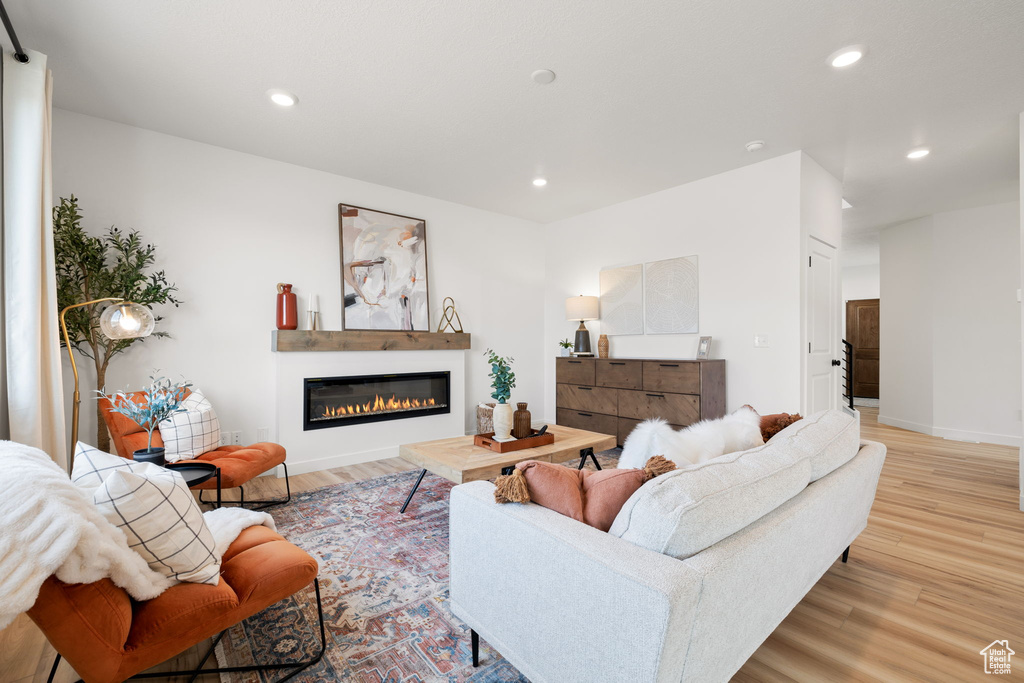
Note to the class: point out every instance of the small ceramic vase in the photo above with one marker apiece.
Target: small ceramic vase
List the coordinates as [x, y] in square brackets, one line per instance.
[502, 422]
[521, 422]
[602, 346]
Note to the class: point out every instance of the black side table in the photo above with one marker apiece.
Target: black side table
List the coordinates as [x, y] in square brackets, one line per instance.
[196, 473]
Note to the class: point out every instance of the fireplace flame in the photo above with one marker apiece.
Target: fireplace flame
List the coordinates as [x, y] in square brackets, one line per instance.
[377, 405]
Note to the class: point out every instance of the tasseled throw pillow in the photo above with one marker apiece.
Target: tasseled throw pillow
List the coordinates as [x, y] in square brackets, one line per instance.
[593, 498]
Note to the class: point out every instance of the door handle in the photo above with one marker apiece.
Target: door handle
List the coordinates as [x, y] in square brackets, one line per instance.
[836, 363]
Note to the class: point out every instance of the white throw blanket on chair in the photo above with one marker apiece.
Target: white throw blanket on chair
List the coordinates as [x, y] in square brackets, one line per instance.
[48, 526]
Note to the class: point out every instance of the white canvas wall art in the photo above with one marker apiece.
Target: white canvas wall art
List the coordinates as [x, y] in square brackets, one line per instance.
[622, 300]
[670, 296]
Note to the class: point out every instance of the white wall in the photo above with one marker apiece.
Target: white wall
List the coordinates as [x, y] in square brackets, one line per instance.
[228, 226]
[744, 226]
[905, 327]
[1020, 236]
[949, 284]
[861, 282]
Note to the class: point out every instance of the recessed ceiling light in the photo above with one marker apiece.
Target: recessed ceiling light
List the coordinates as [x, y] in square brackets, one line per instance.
[282, 97]
[755, 145]
[846, 56]
[918, 153]
[540, 182]
[543, 76]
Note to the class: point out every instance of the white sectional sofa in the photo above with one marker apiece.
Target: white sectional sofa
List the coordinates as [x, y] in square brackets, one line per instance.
[698, 569]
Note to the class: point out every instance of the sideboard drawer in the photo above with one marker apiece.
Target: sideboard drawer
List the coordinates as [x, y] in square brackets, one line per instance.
[588, 399]
[680, 377]
[621, 374]
[574, 370]
[581, 419]
[627, 425]
[678, 409]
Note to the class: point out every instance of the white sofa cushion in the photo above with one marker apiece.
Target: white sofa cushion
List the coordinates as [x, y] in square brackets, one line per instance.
[831, 438]
[191, 432]
[683, 512]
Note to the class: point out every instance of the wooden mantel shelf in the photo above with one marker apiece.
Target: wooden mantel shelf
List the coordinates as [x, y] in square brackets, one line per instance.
[367, 340]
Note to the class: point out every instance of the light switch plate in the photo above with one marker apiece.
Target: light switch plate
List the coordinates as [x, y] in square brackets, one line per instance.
[761, 341]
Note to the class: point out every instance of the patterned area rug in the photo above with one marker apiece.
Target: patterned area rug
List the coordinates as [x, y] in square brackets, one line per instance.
[384, 582]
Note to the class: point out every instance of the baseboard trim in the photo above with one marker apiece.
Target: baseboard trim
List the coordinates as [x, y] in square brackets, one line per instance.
[979, 437]
[905, 424]
[340, 460]
[953, 434]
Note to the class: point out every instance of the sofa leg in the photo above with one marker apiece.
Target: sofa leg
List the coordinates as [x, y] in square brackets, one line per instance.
[846, 554]
[474, 637]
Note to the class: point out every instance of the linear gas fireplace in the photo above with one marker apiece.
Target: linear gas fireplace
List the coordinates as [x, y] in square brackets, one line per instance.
[340, 401]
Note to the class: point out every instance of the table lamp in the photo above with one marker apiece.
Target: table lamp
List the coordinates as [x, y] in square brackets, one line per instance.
[582, 308]
[121, 320]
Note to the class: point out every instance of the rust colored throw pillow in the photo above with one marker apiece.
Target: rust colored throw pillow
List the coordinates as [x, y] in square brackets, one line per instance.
[773, 424]
[593, 498]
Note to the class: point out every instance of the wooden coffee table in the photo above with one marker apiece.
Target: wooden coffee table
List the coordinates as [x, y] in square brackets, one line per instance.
[457, 459]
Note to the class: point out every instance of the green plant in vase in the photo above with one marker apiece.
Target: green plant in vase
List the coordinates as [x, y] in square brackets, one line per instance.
[503, 381]
[565, 345]
[161, 399]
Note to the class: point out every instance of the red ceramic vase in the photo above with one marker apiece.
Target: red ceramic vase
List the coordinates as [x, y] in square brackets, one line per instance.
[287, 309]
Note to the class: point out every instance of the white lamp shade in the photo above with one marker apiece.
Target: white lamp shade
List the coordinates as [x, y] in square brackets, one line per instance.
[582, 308]
[127, 320]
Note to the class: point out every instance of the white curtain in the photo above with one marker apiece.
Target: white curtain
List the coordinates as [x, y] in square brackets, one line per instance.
[32, 390]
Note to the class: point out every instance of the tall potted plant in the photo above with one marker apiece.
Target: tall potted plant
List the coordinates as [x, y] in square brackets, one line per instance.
[503, 380]
[160, 400]
[116, 264]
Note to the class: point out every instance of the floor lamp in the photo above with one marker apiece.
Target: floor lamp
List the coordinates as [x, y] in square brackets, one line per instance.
[121, 320]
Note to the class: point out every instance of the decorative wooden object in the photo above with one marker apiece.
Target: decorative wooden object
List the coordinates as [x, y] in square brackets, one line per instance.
[368, 340]
[612, 396]
[521, 422]
[602, 346]
[487, 441]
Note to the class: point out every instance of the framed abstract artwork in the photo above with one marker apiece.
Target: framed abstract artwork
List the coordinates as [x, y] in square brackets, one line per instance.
[622, 300]
[670, 296]
[383, 270]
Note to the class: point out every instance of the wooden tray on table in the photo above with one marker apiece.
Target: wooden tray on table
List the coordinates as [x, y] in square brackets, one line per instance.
[487, 441]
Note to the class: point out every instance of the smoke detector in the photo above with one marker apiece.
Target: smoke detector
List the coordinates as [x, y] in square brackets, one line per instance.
[755, 145]
[543, 76]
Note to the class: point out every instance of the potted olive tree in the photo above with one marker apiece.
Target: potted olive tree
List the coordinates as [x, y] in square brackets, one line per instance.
[503, 380]
[159, 400]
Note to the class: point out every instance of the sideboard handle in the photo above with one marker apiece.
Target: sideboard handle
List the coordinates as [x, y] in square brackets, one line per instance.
[656, 395]
[576, 362]
[669, 365]
[585, 388]
[585, 414]
[614, 363]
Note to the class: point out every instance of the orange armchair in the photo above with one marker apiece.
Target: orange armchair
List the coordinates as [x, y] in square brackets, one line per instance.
[237, 465]
[108, 637]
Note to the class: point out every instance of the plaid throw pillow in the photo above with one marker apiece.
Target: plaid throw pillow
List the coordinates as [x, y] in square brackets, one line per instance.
[191, 433]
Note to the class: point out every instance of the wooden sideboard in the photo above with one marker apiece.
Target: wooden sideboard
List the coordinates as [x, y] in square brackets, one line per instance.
[613, 395]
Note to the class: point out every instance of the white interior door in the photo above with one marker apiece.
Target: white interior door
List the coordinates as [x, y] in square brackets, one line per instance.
[822, 320]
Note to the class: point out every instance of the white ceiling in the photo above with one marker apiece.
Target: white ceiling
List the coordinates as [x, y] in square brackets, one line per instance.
[436, 97]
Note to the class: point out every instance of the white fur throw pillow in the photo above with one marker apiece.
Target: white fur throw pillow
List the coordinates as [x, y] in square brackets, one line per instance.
[192, 432]
[154, 509]
[695, 444]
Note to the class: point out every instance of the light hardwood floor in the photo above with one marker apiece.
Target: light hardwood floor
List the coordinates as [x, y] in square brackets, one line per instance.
[937, 575]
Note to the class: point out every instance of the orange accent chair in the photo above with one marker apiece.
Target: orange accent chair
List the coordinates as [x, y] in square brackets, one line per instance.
[236, 465]
[108, 637]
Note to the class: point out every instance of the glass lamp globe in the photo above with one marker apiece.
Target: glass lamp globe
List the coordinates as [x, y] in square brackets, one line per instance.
[127, 320]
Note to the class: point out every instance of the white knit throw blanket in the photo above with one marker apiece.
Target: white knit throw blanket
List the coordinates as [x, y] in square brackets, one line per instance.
[48, 526]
